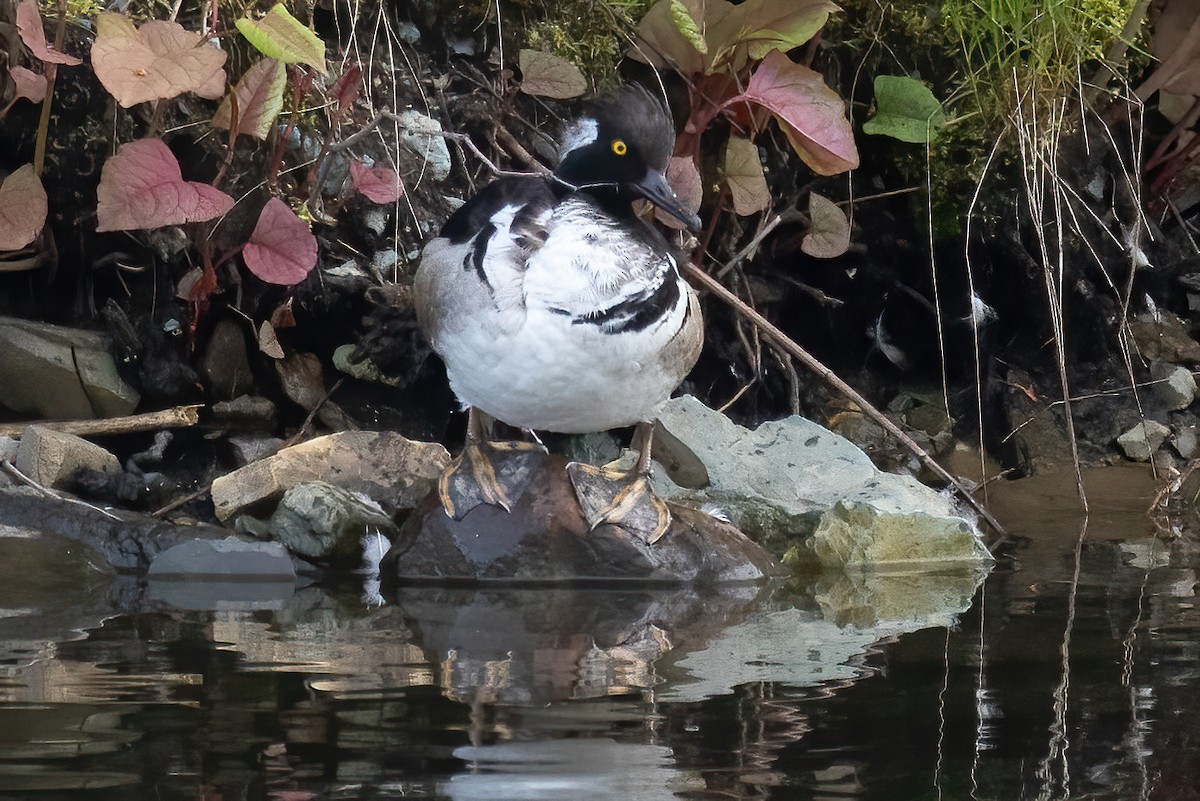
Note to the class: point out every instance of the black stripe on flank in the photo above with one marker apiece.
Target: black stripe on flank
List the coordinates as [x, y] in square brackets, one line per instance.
[478, 251]
[638, 312]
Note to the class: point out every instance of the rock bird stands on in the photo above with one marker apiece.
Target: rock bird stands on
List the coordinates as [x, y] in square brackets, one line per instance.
[556, 308]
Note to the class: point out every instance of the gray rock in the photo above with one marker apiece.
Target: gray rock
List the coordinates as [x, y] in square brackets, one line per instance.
[407, 32]
[393, 471]
[60, 373]
[1187, 442]
[423, 137]
[1175, 385]
[323, 523]
[245, 411]
[226, 364]
[52, 458]
[252, 448]
[125, 540]
[544, 539]
[8, 449]
[1140, 442]
[780, 481]
[1164, 336]
[232, 556]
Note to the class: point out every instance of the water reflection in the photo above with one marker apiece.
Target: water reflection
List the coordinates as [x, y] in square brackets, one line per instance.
[1069, 673]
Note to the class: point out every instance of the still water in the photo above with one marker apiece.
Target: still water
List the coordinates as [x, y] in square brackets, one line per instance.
[1072, 670]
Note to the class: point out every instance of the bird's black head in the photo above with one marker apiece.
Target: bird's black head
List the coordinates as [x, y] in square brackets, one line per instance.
[620, 150]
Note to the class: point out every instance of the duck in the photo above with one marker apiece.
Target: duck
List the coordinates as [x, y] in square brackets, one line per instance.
[557, 308]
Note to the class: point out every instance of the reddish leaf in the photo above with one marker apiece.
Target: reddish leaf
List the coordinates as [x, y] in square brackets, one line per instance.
[685, 181]
[29, 84]
[766, 25]
[22, 208]
[29, 26]
[158, 60]
[281, 250]
[810, 113]
[379, 184]
[260, 99]
[744, 176]
[141, 187]
[345, 89]
[829, 233]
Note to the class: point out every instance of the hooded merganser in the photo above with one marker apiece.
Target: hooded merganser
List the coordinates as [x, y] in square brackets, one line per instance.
[556, 308]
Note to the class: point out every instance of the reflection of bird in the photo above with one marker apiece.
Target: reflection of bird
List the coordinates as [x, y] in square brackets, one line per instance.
[554, 307]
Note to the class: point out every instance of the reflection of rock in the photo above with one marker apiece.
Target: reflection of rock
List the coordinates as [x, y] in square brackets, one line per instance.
[393, 471]
[545, 539]
[782, 642]
[585, 769]
[779, 481]
[60, 373]
[524, 645]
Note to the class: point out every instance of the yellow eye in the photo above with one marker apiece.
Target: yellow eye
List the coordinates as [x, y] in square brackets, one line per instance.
[619, 147]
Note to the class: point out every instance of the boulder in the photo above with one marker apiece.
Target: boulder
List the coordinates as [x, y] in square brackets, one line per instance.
[226, 364]
[858, 535]
[393, 471]
[1140, 442]
[544, 539]
[423, 137]
[780, 482]
[1174, 385]
[322, 523]
[59, 373]
[53, 458]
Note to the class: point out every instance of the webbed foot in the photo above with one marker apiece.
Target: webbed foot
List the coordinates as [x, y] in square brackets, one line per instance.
[487, 472]
[620, 498]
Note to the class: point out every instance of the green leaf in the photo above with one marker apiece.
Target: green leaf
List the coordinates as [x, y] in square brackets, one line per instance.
[905, 109]
[259, 98]
[767, 25]
[281, 36]
[685, 23]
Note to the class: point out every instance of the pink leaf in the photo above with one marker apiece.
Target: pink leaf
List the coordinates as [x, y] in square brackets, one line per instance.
[22, 208]
[810, 113]
[29, 84]
[281, 250]
[685, 181]
[380, 184]
[259, 97]
[141, 187]
[158, 60]
[29, 26]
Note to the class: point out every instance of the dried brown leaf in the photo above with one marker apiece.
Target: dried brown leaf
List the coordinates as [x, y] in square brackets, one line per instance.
[548, 75]
[744, 176]
[22, 208]
[829, 234]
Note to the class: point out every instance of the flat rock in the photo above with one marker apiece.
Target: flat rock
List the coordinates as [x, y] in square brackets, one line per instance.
[393, 471]
[1140, 442]
[546, 540]
[124, 540]
[52, 458]
[8, 449]
[224, 558]
[780, 481]
[59, 373]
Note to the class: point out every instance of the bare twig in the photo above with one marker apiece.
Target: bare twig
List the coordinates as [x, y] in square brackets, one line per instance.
[177, 417]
